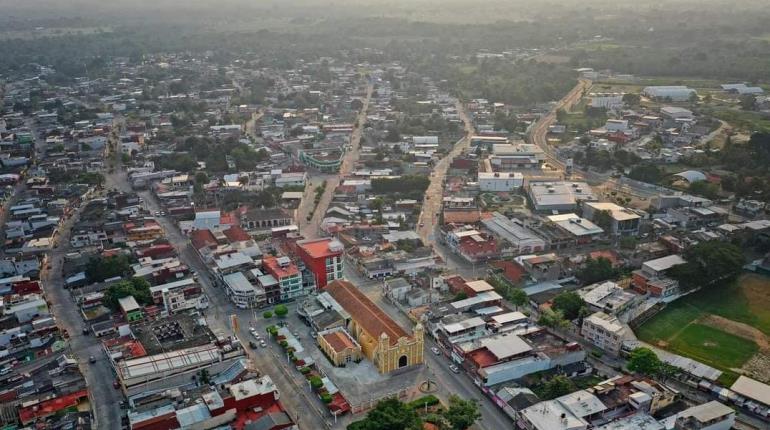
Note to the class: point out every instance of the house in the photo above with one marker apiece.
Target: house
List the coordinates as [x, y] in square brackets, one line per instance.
[651, 278]
[288, 276]
[131, 310]
[264, 219]
[707, 416]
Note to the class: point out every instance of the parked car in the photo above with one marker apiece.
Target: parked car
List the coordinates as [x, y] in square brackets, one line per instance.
[262, 343]
[454, 368]
[92, 359]
[436, 351]
[252, 345]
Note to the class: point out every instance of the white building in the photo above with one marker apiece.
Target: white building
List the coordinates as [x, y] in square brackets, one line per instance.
[708, 416]
[675, 93]
[241, 292]
[605, 331]
[559, 196]
[606, 100]
[500, 182]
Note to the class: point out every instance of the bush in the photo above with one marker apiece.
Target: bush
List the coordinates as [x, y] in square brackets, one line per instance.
[273, 330]
[281, 311]
[326, 398]
[430, 399]
[283, 344]
[316, 382]
[267, 314]
[304, 370]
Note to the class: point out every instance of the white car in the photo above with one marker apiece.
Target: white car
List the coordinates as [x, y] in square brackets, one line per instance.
[454, 368]
[262, 343]
[436, 351]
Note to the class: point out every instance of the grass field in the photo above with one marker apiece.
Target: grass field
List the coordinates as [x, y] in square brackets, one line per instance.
[681, 327]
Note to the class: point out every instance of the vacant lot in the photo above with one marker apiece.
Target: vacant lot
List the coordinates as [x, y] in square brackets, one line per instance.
[726, 327]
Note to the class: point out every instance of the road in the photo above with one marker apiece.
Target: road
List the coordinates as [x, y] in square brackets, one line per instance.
[540, 131]
[431, 204]
[311, 229]
[294, 397]
[436, 366]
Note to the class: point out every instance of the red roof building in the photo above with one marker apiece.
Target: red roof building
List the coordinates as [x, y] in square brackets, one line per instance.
[203, 239]
[323, 257]
[50, 407]
[236, 234]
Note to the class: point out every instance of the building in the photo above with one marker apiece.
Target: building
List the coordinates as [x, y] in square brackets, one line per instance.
[521, 239]
[131, 310]
[580, 229]
[559, 196]
[651, 278]
[323, 258]
[382, 340]
[287, 274]
[500, 182]
[521, 156]
[265, 219]
[623, 222]
[339, 346]
[708, 416]
[605, 331]
[606, 100]
[674, 93]
[753, 391]
[573, 411]
[608, 297]
[243, 293]
[675, 113]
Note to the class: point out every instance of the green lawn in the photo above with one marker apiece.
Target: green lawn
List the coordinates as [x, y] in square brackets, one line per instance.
[668, 322]
[746, 300]
[713, 347]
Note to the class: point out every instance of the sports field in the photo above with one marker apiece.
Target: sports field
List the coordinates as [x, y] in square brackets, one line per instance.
[725, 327]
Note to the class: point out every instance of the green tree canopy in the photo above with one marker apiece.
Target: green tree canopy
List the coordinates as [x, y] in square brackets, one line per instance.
[570, 304]
[389, 414]
[281, 311]
[644, 361]
[557, 386]
[709, 263]
[100, 268]
[137, 287]
[461, 413]
[596, 270]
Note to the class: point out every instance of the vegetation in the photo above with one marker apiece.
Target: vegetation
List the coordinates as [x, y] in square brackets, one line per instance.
[137, 287]
[644, 361]
[392, 414]
[100, 268]
[557, 386]
[267, 314]
[709, 263]
[570, 304]
[281, 311]
[596, 270]
[407, 183]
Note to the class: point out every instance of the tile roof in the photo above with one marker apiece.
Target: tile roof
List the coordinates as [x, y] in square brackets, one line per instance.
[236, 234]
[339, 340]
[364, 312]
[202, 239]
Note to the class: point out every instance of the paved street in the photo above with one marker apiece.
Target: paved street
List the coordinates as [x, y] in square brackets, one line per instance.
[431, 205]
[311, 228]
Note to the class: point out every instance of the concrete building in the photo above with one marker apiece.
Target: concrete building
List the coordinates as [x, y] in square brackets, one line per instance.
[500, 182]
[605, 331]
[521, 239]
[708, 416]
[339, 346]
[521, 156]
[382, 340]
[559, 196]
[323, 258]
[623, 222]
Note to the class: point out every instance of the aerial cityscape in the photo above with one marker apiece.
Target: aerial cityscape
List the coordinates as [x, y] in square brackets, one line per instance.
[399, 215]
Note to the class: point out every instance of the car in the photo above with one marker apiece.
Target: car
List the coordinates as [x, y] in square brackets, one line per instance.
[436, 351]
[157, 213]
[296, 334]
[162, 214]
[262, 343]
[92, 359]
[252, 345]
[116, 384]
[85, 330]
[454, 368]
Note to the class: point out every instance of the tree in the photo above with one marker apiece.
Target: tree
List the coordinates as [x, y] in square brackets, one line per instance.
[267, 314]
[631, 99]
[389, 414]
[628, 242]
[603, 219]
[136, 287]
[393, 135]
[316, 382]
[646, 173]
[645, 361]
[201, 178]
[570, 304]
[552, 318]
[596, 270]
[461, 413]
[708, 263]
[100, 268]
[557, 386]
[518, 297]
[281, 311]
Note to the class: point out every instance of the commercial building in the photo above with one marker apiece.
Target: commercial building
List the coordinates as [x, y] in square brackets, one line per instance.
[522, 240]
[623, 221]
[580, 229]
[287, 274]
[559, 196]
[708, 416]
[674, 93]
[520, 156]
[651, 278]
[243, 293]
[323, 258]
[382, 340]
[500, 181]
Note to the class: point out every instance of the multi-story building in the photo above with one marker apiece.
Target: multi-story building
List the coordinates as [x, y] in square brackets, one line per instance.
[622, 221]
[708, 416]
[323, 258]
[605, 331]
[287, 274]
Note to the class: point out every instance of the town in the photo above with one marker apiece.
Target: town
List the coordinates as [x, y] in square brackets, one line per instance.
[341, 240]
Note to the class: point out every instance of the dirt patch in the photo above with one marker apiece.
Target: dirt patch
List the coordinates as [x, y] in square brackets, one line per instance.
[758, 367]
[661, 343]
[738, 329]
